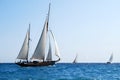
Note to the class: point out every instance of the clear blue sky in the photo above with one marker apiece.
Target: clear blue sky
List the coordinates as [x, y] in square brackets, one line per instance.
[90, 28]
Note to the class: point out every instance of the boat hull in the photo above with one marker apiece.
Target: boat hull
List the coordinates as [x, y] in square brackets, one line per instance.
[108, 62]
[32, 64]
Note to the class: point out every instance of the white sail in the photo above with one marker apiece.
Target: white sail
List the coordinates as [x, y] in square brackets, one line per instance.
[75, 60]
[111, 58]
[39, 52]
[23, 54]
[49, 56]
[57, 52]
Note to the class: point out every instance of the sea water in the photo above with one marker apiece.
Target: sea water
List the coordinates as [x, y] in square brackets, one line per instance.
[61, 71]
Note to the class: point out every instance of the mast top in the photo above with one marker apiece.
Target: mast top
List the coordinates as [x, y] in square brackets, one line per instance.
[48, 12]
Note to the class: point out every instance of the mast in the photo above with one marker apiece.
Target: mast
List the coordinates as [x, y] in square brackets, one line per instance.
[28, 41]
[49, 12]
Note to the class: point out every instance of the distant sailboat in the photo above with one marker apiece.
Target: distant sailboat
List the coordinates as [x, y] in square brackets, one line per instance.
[38, 58]
[110, 59]
[75, 60]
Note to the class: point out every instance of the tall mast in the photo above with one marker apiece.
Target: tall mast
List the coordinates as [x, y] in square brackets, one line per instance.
[48, 15]
[49, 11]
[28, 41]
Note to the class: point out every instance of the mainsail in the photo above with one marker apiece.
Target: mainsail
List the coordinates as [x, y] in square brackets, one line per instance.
[23, 54]
[39, 52]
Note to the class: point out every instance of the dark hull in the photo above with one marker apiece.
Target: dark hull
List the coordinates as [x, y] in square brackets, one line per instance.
[108, 62]
[32, 64]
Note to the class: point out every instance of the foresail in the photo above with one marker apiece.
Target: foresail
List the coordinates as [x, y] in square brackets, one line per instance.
[23, 54]
[57, 53]
[39, 52]
[49, 56]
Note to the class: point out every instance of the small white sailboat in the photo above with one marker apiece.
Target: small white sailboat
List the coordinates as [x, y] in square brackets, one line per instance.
[38, 58]
[110, 59]
[75, 60]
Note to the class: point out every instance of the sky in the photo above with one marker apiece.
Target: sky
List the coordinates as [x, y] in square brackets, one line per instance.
[89, 28]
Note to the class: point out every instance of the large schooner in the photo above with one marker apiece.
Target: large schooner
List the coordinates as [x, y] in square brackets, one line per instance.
[38, 58]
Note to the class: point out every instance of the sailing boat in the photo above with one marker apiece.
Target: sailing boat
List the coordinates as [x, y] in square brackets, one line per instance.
[75, 60]
[38, 58]
[110, 59]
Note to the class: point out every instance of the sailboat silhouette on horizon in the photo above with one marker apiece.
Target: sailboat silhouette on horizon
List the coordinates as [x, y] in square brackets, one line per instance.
[110, 59]
[75, 60]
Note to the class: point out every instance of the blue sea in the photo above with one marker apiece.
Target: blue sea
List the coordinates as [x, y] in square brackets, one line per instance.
[61, 71]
